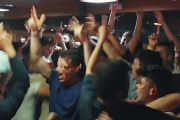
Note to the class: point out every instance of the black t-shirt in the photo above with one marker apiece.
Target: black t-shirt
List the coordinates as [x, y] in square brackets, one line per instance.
[125, 111]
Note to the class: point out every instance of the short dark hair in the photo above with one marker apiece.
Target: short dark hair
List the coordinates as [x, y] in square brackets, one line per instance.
[71, 54]
[169, 49]
[148, 57]
[160, 76]
[55, 56]
[111, 77]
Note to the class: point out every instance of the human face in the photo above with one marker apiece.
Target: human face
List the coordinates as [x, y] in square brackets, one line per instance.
[125, 40]
[66, 38]
[135, 66]
[66, 70]
[143, 90]
[177, 53]
[163, 52]
[47, 49]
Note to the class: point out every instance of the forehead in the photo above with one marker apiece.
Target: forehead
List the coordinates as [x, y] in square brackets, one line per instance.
[145, 80]
[160, 48]
[64, 61]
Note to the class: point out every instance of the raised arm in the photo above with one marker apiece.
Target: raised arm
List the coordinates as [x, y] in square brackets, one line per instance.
[137, 32]
[110, 50]
[112, 16]
[103, 33]
[10, 104]
[79, 32]
[59, 38]
[116, 44]
[35, 47]
[168, 32]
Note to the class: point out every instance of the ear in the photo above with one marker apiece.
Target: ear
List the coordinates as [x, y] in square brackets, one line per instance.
[77, 69]
[153, 91]
[169, 57]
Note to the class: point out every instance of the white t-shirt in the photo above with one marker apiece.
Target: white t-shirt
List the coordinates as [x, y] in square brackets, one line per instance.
[27, 108]
[176, 69]
[48, 59]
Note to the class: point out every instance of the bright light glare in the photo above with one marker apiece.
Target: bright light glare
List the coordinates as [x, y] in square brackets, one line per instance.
[3, 10]
[98, 1]
[157, 24]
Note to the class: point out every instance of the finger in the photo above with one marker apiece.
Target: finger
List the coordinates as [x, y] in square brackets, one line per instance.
[153, 35]
[42, 18]
[35, 13]
[104, 19]
[75, 19]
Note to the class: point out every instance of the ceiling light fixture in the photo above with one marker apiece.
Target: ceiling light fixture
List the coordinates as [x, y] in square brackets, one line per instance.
[3, 10]
[98, 1]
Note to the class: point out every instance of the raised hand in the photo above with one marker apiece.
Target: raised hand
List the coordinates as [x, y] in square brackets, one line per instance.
[26, 25]
[60, 29]
[153, 40]
[73, 22]
[159, 16]
[34, 22]
[13, 35]
[43, 28]
[114, 7]
[103, 29]
[80, 33]
[6, 42]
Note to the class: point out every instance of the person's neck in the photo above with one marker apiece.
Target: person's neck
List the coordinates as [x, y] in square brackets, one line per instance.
[72, 81]
[169, 67]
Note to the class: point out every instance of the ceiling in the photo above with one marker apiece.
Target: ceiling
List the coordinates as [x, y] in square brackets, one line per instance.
[61, 10]
[70, 7]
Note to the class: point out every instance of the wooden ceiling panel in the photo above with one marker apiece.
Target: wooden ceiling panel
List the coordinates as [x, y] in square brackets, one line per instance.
[70, 7]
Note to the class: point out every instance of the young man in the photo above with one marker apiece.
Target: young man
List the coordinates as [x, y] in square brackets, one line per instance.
[64, 83]
[142, 59]
[166, 49]
[155, 82]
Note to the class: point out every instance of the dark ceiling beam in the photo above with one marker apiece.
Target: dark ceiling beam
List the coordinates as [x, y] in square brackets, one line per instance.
[70, 7]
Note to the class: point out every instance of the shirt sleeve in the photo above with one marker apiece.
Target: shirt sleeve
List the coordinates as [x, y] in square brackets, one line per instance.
[34, 87]
[87, 97]
[10, 105]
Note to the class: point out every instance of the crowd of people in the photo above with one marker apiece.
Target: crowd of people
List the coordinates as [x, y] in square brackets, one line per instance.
[103, 77]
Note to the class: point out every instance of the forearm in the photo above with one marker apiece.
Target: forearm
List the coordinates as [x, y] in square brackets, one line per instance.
[94, 57]
[136, 35]
[111, 21]
[87, 51]
[166, 103]
[110, 50]
[63, 46]
[35, 47]
[116, 44]
[158, 30]
[170, 35]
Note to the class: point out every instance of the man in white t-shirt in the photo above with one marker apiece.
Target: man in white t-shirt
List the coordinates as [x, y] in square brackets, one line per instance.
[38, 89]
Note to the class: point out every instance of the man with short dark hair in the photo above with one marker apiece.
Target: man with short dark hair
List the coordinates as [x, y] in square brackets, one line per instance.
[155, 82]
[64, 83]
[166, 49]
[142, 59]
